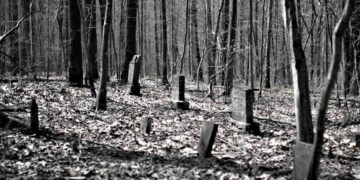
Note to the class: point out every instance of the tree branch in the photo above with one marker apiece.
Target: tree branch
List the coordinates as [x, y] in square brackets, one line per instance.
[2, 37]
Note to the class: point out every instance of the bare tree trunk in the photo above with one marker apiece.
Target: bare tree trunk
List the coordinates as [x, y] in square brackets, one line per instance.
[182, 59]
[157, 51]
[195, 41]
[75, 66]
[330, 82]
[231, 53]
[299, 72]
[101, 97]
[268, 49]
[130, 47]
[164, 79]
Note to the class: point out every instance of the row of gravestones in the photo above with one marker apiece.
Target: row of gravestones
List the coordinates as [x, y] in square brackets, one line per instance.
[242, 110]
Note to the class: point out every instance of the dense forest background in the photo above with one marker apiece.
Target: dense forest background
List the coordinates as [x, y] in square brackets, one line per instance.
[247, 37]
[273, 85]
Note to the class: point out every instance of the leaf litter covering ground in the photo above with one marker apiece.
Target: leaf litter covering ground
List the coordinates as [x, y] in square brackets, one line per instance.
[83, 143]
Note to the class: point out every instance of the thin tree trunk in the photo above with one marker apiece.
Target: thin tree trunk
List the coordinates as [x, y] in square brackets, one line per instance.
[101, 97]
[231, 54]
[330, 82]
[300, 74]
[268, 51]
[164, 79]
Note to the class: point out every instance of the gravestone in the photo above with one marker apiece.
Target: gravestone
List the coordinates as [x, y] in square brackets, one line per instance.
[34, 117]
[303, 153]
[207, 139]
[178, 94]
[134, 75]
[357, 139]
[145, 125]
[242, 108]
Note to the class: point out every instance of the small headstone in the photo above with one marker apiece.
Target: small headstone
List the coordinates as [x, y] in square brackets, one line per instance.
[178, 95]
[242, 108]
[134, 75]
[303, 160]
[207, 139]
[34, 117]
[145, 125]
[357, 139]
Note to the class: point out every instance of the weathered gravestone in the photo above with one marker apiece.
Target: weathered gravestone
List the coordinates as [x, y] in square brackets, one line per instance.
[207, 139]
[357, 139]
[242, 108]
[178, 95]
[134, 75]
[34, 117]
[303, 165]
[145, 125]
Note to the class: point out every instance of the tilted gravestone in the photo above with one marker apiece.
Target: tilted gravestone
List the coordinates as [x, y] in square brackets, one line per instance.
[34, 117]
[357, 139]
[207, 139]
[145, 125]
[134, 75]
[178, 94]
[303, 165]
[242, 108]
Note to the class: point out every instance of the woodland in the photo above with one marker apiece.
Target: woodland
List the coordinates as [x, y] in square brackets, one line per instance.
[180, 89]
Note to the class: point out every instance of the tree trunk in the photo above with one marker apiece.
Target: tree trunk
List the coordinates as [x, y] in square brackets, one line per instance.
[75, 66]
[224, 42]
[101, 97]
[299, 72]
[164, 44]
[130, 47]
[329, 84]
[268, 49]
[210, 42]
[157, 51]
[231, 54]
[195, 40]
[92, 39]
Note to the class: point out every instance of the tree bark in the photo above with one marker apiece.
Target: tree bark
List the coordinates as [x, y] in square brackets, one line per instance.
[130, 47]
[299, 72]
[101, 97]
[92, 39]
[231, 53]
[164, 44]
[75, 66]
[268, 49]
[195, 40]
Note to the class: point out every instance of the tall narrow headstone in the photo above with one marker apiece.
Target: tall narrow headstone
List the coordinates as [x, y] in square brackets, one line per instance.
[145, 125]
[242, 108]
[178, 95]
[303, 165]
[207, 139]
[134, 75]
[34, 117]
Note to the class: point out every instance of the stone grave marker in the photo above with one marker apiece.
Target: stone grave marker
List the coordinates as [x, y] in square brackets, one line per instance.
[34, 117]
[178, 94]
[134, 75]
[145, 124]
[207, 139]
[242, 108]
[357, 139]
[303, 153]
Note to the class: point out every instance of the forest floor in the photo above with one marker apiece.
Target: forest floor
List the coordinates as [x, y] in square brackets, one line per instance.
[83, 143]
